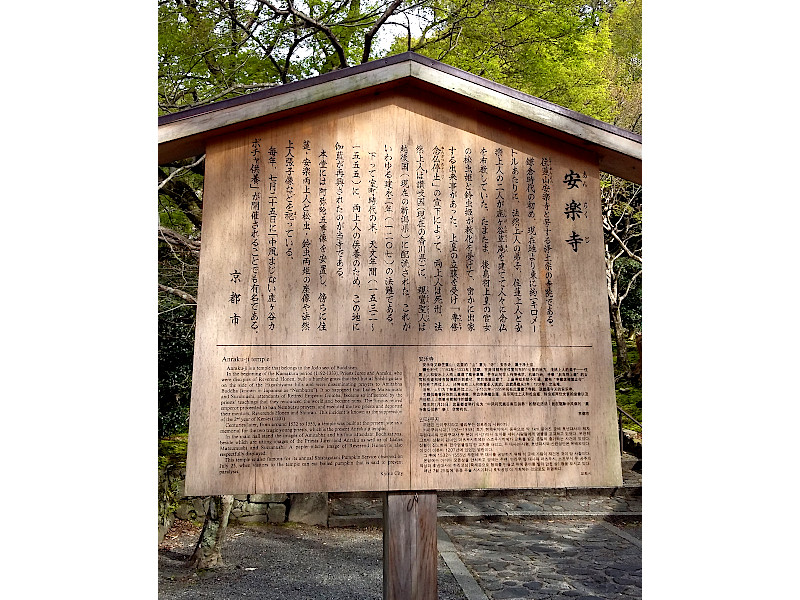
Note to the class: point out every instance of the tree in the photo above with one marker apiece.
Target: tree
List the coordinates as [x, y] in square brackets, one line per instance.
[582, 55]
[624, 64]
[178, 254]
[208, 550]
[213, 49]
[552, 49]
[622, 200]
[622, 224]
[586, 56]
[210, 50]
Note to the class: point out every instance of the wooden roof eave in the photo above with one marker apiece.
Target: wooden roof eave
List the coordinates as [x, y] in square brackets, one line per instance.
[619, 150]
[184, 134]
[193, 130]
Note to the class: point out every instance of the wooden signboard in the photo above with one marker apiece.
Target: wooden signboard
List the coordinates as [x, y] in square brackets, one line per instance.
[400, 295]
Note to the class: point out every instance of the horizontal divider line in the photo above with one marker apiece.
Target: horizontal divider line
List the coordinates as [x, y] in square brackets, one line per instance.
[390, 346]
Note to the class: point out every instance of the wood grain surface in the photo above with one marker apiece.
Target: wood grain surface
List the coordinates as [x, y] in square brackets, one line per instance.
[400, 294]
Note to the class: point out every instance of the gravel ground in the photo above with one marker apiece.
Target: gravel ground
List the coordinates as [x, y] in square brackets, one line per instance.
[283, 563]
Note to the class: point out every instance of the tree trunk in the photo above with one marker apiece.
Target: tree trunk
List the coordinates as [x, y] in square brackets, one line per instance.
[636, 371]
[623, 366]
[208, 552]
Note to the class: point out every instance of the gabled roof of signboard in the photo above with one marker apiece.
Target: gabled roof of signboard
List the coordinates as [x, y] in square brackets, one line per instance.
[183, 134]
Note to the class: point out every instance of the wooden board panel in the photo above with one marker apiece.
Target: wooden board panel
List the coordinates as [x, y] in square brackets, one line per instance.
[400, 295]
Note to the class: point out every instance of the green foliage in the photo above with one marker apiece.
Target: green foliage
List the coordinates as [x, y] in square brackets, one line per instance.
[204, 50]
[178, 269]
[172, 450]
[631, 305]
[624, 66]
[209, 50]
[626, 36]
[175, 350]
[622, 224]
[171, 462]
[629, 399]
[552, 49]
[171, 215]
[583, 55]
[180, 213]
[629, 393]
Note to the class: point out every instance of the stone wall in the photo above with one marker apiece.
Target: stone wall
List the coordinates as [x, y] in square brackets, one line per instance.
[170, 487]
[632, 442]
[311, 509]
[260, 508]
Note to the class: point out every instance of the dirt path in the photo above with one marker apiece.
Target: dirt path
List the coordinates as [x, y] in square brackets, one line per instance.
[283, 563]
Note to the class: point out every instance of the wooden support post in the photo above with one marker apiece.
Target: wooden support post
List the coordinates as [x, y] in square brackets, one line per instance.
[409, 546]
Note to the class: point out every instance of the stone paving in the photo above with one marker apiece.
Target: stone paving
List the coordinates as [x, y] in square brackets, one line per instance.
[575, 544]
[455, 508]
[541, 560]
[579, 544]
